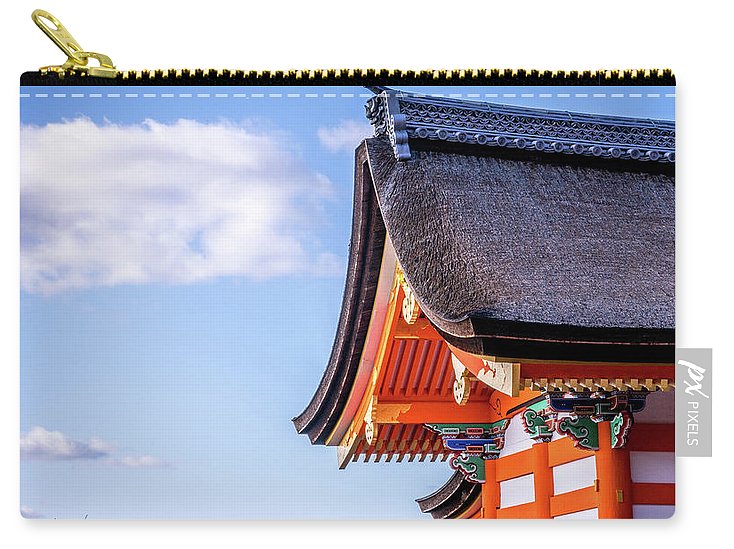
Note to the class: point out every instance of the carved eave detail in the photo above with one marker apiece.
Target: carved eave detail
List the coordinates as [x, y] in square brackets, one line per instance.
[370, 422]
[410, 308]
[597, 384]
[462, 381]
[472, 444]
[502, 376]
[539, 421]
[584, 411]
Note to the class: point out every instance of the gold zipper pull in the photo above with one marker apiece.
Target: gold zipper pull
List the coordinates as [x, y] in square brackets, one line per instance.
[77, 58]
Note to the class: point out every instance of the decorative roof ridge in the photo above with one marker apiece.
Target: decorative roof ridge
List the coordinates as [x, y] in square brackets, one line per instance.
[403, 117]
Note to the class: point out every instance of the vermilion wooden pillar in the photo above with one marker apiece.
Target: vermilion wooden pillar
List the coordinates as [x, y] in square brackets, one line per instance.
[542, 479]
[490, 489]
[615, 479]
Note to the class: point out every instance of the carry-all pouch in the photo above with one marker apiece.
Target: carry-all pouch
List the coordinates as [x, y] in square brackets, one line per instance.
[345, 294]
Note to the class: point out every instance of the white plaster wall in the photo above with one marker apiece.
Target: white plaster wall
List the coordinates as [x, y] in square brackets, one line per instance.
[580, 515]
[517, 491]
[516, 439]
[652, 511]
[659, 408]
[574, 475]
[656, 467]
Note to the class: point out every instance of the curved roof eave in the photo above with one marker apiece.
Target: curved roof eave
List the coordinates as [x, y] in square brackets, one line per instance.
[452, 499]
[365, 255]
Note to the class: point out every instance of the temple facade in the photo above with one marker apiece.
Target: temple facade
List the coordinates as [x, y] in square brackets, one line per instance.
[509, 308]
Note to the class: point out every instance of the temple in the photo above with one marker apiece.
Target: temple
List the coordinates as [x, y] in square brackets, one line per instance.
[509, 308]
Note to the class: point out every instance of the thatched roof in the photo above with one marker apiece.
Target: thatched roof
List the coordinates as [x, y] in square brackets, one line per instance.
[525, 247]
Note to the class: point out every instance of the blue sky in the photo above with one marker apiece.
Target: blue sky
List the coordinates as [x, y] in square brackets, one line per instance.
[182, 264]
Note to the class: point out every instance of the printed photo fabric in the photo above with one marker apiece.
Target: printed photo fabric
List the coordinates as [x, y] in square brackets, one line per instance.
[340, 302]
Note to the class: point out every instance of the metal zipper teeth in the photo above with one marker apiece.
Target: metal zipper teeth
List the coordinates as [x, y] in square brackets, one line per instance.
[360, 77]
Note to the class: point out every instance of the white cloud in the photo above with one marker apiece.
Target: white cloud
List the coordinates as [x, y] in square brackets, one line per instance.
[27, 512]
[39, 443]
[107, 204]
[42, 444]
[141, 462]
[345, 136]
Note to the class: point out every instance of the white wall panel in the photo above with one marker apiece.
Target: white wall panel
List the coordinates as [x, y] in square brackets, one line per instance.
[652, 511]
[574, 475]
[656, 467]
[517, 491]
[580, 515]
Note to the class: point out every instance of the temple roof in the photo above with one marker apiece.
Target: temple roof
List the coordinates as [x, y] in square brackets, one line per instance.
[530, 248]
[511, 250]
[453, 499]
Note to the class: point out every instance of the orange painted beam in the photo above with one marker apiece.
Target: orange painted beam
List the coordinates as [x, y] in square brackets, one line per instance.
[515, 465]
[490, 490]
[424, 386]
[387, 350]
[542, 479]
[613, 473]
[563, 451]
[397, 368]
[652, 437]
[573, 502]
[396, 411]
[524, 511]
[502, 404]
[421, 329]
[648, 493]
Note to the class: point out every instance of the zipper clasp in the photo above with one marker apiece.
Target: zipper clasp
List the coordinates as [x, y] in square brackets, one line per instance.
[77, 57]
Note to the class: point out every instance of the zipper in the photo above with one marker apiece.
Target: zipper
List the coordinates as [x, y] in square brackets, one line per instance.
[77, 59]
[77, 71]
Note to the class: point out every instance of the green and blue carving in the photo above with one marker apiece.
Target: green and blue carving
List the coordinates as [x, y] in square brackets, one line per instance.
[603, 406]
[539, 421]
[582, 429]
[471, 466]
[620, 428]
[458, 436]
[474, 443]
